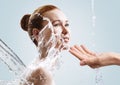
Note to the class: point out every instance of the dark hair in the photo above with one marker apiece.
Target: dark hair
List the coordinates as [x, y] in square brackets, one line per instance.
[35, 20]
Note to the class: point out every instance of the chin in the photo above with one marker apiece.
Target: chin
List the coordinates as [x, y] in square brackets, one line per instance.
[65, 46]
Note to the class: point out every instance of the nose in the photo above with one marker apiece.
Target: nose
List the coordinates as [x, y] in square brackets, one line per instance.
[65, 30]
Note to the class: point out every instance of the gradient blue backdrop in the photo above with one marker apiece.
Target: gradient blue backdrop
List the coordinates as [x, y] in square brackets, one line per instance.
[103, 38]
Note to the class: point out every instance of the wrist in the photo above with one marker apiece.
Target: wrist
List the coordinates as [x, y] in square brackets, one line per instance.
[105, 59]
[109, 58]
[115, 58]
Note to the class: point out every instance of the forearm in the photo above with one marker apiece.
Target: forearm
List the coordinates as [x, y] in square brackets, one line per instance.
[109, 59]
[116, 57]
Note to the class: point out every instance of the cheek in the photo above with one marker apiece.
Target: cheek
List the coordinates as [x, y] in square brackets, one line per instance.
[69, 32]
[58, 30]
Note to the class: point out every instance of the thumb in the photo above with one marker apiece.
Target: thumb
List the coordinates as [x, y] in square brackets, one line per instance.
[82, 63]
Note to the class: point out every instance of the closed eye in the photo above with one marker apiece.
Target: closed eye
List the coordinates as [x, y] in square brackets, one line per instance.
[58, 24]
[67, 25]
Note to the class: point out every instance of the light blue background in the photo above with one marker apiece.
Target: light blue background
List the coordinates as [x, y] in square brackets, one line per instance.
[103, 38]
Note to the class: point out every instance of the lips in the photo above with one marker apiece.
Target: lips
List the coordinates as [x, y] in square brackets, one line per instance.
[66, 39]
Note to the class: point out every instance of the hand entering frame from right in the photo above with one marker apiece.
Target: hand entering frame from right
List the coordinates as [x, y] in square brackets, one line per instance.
[92, 59]
[85, 56]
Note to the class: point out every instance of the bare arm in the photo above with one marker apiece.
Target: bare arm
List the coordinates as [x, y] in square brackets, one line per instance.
[109, 58]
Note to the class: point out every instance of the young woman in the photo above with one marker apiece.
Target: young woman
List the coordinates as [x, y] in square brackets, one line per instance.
[48, 28]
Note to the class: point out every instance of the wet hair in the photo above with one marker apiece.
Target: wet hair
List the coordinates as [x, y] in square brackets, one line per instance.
[35, 20]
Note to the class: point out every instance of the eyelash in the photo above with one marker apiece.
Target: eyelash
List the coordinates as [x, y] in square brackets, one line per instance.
[55, 25]
[67, 25]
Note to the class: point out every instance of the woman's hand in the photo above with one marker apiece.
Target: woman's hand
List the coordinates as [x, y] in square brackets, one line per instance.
[92, 59]
[85, 56]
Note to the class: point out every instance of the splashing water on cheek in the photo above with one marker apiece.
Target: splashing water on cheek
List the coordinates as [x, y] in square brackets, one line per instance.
[63, 45]
[50, 45]
[49, 40]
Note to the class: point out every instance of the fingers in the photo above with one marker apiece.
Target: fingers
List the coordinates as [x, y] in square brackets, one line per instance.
[80, 49]
[73, 50]
[85, 56]
[81, 52]
[82, 63]
[87, 50]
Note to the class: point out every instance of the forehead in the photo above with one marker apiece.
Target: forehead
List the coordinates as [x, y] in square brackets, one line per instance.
[55, 14]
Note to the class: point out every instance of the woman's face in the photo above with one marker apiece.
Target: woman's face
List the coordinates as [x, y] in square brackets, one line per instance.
[60, 24]
[56, 35]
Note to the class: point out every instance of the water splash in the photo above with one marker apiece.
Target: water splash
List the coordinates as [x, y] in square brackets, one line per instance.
[93, 13]
[98, 78]
[49, 47]
[49, 44]
[12, 61]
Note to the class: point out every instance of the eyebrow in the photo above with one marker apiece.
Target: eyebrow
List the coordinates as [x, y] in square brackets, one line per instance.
[58, 21]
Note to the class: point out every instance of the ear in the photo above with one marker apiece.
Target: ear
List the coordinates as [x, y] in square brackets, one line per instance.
[35, 33]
